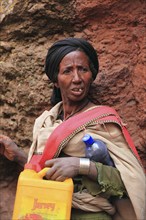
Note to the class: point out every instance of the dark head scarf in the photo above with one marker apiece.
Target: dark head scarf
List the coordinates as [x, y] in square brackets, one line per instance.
[61, 48]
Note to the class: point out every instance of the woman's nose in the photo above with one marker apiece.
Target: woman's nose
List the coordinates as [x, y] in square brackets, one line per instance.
[76, 76]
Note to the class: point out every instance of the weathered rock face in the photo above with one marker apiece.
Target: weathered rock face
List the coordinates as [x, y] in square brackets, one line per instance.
[115, 28]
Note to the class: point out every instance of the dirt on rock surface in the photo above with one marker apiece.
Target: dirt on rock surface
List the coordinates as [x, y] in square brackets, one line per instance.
[115, 28]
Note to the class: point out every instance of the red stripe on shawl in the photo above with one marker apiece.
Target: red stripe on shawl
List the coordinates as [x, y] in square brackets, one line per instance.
[67, 127]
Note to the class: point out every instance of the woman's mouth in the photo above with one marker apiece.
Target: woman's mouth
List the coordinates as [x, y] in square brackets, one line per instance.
[77, 91]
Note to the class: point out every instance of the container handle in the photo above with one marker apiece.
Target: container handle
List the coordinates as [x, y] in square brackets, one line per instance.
[43, 172]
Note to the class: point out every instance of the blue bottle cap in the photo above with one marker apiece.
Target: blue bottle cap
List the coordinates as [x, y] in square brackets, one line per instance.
[88, 139]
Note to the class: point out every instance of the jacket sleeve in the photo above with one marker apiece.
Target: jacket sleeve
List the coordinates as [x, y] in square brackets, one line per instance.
[109, 182]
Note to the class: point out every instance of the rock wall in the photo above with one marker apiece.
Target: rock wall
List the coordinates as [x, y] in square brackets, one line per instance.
[116, 29]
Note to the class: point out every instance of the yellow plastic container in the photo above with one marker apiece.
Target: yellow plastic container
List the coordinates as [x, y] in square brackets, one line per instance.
[40, 199]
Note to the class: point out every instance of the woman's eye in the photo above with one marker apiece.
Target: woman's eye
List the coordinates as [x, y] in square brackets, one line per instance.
[83, 69]
[67, 71]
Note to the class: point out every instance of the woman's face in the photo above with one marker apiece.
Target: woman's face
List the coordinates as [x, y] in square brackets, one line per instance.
[74, 77]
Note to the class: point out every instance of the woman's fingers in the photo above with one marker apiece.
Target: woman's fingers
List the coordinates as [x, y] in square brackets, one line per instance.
[2, 148]
[56, 171]
[62, 168]
[53, 174]
[3, 143]
[7, 147]
[50, 163]
[61, 178]
[50, 173]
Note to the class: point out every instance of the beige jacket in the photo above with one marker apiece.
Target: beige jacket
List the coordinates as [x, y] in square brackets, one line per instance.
[130, 169]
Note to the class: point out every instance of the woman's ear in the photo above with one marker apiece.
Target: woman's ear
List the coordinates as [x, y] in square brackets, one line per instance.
[56, 85]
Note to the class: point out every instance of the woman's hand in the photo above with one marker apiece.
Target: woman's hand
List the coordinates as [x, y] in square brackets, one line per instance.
[7, 147]
[11, 151]
[67, 167]
[62, 168]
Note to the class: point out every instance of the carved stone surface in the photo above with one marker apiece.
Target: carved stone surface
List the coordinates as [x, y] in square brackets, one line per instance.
[115, 28]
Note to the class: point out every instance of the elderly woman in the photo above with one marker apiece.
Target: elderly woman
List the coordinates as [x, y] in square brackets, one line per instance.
[100, 191]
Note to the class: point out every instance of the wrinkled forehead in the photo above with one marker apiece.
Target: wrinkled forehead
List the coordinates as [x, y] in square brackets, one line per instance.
[77, 58]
